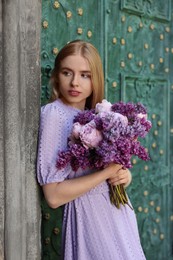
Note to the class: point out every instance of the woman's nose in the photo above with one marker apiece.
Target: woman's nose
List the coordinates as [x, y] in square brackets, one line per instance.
[75, 80]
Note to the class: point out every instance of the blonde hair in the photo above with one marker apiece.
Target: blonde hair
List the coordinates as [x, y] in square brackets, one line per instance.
[90, 53]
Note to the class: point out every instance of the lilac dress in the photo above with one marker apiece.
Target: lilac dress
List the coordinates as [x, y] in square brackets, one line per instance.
[93, 229]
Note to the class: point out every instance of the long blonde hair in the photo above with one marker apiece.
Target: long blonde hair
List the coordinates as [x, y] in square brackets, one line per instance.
[90, 53]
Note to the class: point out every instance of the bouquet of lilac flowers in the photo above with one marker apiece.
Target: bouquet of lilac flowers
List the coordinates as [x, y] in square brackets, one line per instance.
[107, 134]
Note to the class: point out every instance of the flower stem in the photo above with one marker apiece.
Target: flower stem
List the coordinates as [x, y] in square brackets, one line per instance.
[118, 196]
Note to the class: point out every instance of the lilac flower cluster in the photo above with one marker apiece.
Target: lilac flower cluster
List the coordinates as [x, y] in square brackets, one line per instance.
[107, 134]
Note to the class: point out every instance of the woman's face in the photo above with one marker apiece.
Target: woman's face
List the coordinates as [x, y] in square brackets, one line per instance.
[74, 80]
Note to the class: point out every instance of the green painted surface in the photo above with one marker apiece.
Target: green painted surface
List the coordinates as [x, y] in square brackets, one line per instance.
[51, 227]
[135, 41]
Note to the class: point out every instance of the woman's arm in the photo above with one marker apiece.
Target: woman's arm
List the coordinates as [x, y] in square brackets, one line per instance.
[57, 189]
[57, 194]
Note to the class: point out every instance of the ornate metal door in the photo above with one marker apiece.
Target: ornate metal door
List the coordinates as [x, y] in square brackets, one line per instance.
[135, 40]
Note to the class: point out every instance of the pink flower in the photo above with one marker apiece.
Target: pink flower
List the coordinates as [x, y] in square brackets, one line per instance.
[105, 106]
[90, 136]
[140, 115]
[122, 118]
[77, 127]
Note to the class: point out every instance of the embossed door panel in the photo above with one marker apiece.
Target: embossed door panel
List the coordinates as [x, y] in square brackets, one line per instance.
[135, 40]
[152, 179]
[139, 57]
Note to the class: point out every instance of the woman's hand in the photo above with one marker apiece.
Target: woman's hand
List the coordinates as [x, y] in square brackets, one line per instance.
[112, 170]
[122, 176]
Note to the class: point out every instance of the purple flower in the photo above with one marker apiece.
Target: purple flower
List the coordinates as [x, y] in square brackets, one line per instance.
[107, 134]
[64, 158]
[109, 119]
[84, 117]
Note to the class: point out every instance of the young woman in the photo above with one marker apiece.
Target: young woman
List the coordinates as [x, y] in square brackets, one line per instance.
[93, 229]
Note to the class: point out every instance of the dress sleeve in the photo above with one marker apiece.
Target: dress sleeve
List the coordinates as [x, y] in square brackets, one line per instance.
[53, 136]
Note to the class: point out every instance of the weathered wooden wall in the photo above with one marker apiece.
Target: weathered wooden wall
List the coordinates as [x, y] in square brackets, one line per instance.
[19, 115]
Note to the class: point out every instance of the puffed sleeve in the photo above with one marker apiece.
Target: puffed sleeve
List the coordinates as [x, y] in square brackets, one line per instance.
[53, 136]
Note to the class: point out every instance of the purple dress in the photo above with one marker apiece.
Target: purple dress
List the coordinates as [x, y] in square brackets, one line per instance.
[93, 229]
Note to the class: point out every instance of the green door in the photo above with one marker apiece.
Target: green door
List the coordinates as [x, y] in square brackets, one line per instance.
[135, 41]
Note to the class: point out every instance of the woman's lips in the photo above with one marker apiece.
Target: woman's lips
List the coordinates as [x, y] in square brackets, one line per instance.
[74, 93]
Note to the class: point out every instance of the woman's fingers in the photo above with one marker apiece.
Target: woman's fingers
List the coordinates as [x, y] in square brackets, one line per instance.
[120, 177]
[113, 169]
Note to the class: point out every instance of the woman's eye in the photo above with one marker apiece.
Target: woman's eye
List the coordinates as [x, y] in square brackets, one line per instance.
[66, 73]
[85, 75]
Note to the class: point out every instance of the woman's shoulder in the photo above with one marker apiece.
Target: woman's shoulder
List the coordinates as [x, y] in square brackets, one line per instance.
[58, 107]
[57, 111]
[53, 106]
[52, 113]
[54, 109]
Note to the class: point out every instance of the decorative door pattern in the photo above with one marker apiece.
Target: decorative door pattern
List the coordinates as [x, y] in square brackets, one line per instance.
[135, 41]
